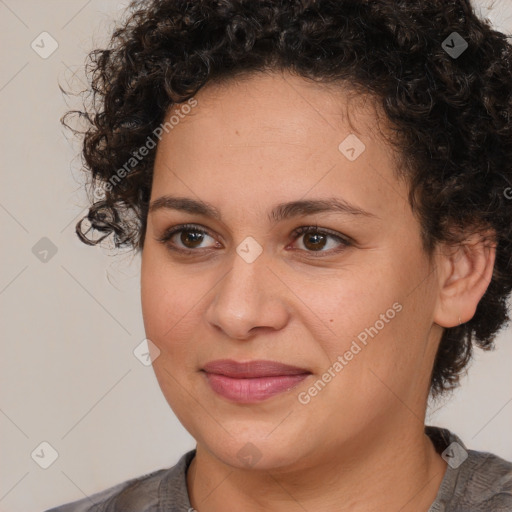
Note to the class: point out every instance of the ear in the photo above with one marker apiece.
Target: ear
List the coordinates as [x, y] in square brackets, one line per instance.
[465, 271]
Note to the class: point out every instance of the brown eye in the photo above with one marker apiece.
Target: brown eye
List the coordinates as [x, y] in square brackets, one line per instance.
[315, 240]
[190, 238]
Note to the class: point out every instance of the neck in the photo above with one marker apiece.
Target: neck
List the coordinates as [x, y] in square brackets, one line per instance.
[396, 469]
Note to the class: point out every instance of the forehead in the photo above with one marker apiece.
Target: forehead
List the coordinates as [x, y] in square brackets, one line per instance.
[277, 100]
[281, 134]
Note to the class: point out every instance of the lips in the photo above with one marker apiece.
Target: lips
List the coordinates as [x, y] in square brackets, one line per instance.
[252, 369]
[252, 381]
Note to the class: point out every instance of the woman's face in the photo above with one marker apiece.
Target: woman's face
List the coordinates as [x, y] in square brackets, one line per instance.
[354, 313]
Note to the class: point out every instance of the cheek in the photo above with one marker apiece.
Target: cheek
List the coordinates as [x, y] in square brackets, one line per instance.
[173, 308]
[344, 305]
[154, 297]
[168, 300]
[371, 321]
[165, 297]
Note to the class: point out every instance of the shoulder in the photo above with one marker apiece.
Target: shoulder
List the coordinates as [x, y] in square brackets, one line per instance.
[486, 481]
[475, 481]
[142, 494]
[139, 493]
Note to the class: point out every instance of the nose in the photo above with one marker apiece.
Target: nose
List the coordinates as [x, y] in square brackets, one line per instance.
[248, 299]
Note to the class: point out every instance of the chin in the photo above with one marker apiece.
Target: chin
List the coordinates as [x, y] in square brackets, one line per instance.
[254, 449]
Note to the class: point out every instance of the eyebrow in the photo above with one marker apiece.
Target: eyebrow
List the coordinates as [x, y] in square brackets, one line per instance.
[282, 211]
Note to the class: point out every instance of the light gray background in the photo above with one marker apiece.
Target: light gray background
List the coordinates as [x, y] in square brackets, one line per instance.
[70, 325]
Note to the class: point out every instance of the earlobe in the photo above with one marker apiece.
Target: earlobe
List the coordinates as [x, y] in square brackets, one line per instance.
[465, 272]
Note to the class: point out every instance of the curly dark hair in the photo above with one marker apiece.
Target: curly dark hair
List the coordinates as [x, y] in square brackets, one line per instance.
[451, 113]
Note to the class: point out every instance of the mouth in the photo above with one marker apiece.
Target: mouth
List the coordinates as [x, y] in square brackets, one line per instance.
[252, 381]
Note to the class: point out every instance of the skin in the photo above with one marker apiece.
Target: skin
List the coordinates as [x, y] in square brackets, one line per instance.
[359, 444]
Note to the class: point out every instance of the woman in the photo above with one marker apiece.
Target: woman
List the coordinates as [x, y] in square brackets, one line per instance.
[321, 195]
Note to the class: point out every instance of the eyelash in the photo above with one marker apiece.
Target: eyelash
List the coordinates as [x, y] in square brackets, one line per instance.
[169, 233]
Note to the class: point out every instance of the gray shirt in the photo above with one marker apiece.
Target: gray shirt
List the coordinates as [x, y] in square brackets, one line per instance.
[474, 482]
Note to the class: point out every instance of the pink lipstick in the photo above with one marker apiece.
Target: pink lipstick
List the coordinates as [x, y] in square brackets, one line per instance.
[252, 381]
